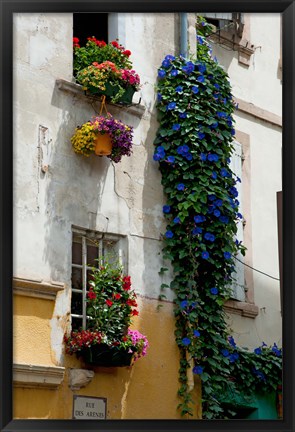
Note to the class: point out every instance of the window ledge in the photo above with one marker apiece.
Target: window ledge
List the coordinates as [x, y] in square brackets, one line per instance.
[244, 309]
[137, 110]
[36, 376]
[36, 288]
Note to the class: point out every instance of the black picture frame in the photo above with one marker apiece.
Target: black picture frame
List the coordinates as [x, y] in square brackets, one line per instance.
[7, 8]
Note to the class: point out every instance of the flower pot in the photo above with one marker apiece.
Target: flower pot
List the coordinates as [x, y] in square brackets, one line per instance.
[103, 145]
[107, 356]
[126, 98]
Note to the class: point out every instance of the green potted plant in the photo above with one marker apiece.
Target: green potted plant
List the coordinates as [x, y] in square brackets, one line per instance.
[105, 69]
[104, 136]
[111, 304]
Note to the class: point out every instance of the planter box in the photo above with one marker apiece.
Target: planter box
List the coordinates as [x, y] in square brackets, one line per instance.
[107, 356]
[111, 91]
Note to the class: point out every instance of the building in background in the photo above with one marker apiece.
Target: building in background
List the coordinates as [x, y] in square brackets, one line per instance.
[65, 205]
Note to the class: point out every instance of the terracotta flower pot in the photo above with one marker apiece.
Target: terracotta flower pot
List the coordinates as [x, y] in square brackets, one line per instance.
[103, 145]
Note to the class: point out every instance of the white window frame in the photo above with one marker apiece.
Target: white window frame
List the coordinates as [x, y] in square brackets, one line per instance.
[87, 235]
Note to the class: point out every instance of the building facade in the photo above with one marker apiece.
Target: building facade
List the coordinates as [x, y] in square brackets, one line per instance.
[66, 205]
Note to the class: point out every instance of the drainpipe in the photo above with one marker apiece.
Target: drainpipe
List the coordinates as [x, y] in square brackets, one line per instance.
[183, 34]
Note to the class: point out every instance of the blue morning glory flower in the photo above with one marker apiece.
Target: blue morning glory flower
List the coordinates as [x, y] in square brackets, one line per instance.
[223, 172]
[225, 352]
[197, 230]
[157, 157]
[197, 333]
[198, 370]
[161, 150]
[174, 72]
[188, 68]
[202, 67]
[210, 237]
[216, 213]
[233, 131]
[201, 79]
[195, 89]
[159, 97]
[214, 291]
[203, 157]
[179, 89]
[212, 197]
[234, 191]
[212, 157]
[183, 150]
[171, 105]
[176, 220]
[205, 255]
[218, 202]
[161, 73]
[169, 57]
[227, 255]
[239, 215]
[166, 209]
[186, 341]
[165, 63]
[201, 135]
[233, 357]
[169, 234]
[214, 175]
[232, 341]
[217, 86]
[221, 114]
[199, 218]
[171, 159]
[183, 115]
[214, 125]
[184, 304]
[200, 40]
[176, 127]
[258, 351]
[180, 187]
[188, 156]
[224, 219]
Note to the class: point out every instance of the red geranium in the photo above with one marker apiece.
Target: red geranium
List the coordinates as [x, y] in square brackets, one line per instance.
[126, 283]
[115, 44]
[135, 312]
[109, 302]
[91, 295]
[117, 296]
[127, 53]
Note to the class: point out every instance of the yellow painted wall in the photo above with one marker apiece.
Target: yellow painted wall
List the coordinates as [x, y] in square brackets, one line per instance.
[146, 390]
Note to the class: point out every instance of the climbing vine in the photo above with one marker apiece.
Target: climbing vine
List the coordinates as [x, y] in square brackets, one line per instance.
[193, 146]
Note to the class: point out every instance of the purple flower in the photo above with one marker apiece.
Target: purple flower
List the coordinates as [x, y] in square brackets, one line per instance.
[166, 209]
[176, 126]
[169, 234]
[198, 370]
[205, 255]
[186, 341]
[161, 73]
[214, 291]
[180, 187]
[227, 255]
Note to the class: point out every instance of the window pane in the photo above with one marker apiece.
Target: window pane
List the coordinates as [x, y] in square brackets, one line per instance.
[77, 278]
[77, 253]
[76, 305]
[92, 255]
[89, 278]
[76, 323]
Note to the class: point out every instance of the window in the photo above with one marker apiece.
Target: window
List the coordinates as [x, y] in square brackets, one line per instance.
[227, 21]
[88, 250]
[238, 285]
[90, 24]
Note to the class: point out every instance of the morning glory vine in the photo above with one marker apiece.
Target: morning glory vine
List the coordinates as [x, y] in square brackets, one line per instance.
[193, 147]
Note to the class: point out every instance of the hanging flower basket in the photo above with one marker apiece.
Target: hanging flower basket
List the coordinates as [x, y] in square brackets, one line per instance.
[107, 356]
[107, 129]
[103, 145]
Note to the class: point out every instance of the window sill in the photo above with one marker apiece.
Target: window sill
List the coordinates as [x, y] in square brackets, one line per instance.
[37, 376]
[36, 288]
[137, 110]
[244, 309]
